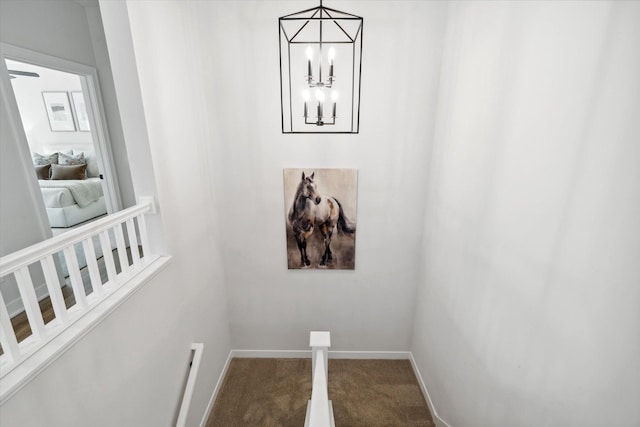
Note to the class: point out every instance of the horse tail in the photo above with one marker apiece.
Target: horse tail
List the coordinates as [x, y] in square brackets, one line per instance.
[343, 222]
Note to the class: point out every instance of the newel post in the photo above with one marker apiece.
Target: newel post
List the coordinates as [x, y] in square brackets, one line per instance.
[320, 340]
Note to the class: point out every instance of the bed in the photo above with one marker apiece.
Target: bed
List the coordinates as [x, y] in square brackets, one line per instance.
[71, 187]
[70, 202]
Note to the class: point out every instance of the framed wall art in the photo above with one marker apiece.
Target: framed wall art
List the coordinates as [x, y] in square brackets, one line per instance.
[80, 108]
[59, 111]
[320, 209]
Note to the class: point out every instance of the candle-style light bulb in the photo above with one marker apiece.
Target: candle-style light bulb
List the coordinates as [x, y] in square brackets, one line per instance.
[305, 95]
[309, 58]
[334, 98]
[332, 55]
[320, 98]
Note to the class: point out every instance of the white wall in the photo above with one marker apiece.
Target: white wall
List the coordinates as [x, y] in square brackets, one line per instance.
[523, 256]
[223, 70]
[112, 109]
[130, 370]
[68, 30]
[528, 303]
[157, 132]
[28, 92]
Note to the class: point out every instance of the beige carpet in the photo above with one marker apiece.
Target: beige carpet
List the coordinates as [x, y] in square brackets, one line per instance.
[274, 392]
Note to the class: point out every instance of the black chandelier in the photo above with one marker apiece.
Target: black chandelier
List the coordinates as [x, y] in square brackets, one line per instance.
[312, 41]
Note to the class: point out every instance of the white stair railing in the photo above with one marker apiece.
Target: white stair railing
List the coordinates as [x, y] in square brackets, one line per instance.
[197, 348]
[41, 256]
[320, 408]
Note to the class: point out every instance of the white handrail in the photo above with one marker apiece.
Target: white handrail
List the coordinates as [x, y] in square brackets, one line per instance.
[319, 408]
[320, 413]
[197, 348]
[17, 266]
[34, 253]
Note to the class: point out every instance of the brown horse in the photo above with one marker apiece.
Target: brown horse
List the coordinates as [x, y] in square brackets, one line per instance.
[311, 211]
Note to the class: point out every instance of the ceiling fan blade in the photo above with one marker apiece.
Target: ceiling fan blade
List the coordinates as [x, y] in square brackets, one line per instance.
[23, 73]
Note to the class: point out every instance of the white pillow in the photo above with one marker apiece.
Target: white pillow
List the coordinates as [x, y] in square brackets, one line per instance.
[47, 159]
[64, 159]
[93, 170]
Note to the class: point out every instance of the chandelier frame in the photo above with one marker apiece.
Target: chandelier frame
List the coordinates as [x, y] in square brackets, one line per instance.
[320, 28]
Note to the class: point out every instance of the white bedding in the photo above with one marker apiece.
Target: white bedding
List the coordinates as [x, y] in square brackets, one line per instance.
[57, 197]
[74, 214]
[71, 202]
[63, 193]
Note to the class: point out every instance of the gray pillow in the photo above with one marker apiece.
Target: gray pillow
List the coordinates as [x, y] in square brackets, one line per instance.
[40, 159]
[43, 171]
[64, 159]
[68, 172]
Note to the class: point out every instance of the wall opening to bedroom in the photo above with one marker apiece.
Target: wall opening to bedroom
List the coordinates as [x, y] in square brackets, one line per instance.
[57, 173]
[56, 122]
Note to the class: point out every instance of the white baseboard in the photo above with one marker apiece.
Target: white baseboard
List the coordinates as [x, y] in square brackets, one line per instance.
[436, 418]
[271, 354]
[395, 355]
[298, 354]
[216, 389]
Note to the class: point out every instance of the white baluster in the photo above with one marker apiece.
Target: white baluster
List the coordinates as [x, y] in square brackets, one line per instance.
[7, 335]
[144, 237]
[107, 256]
[70, 257]
[92, 266]
[30, 301]
[53, 286]
[45, 253]
[122, 249]
[133, 242]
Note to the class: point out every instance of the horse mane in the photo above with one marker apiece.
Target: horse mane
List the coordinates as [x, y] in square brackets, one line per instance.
[299, 203]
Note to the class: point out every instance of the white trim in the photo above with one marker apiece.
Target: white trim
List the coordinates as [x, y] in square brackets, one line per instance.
[13, 381]
[95, 109]
[271, 354]
[34, 253]
[216, 389]
[436, 418]
[20, 139]
[296, 354]
[101, 140]
[198, 349]
[390, 355]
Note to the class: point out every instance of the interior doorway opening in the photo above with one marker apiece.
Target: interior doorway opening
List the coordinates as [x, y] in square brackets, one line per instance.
[53, 110]
[55, 126]
[57, 107]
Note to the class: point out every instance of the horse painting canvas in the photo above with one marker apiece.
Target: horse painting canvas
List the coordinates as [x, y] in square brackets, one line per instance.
[320, 209]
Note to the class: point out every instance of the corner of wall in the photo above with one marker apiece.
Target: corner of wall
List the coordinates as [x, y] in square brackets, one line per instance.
[434, 413]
